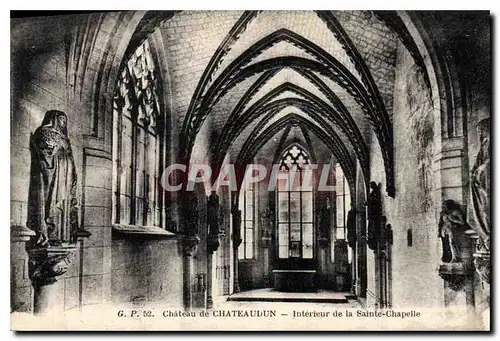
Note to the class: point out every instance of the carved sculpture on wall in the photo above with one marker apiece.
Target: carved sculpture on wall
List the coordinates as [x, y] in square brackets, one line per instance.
[374, 207]
[213, 214]
[324, 222]
[480, 190]
[456, 266]
[480, 183]
[266, 226]
[452, 227]
[351, 227]
[52, 201]
[191, 214]
[236, 213]
[53, 210]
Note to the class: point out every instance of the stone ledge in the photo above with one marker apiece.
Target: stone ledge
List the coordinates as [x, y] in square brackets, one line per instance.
[20, 233]
[143, 231]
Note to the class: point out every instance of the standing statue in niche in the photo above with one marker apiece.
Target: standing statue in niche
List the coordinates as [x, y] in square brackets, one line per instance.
[374, 206]
[351, 227]
[480, 185]
[266, 222]
[52, 201]
[236, 213]
[452, 226]
[324, 221]
[213, 214]
[213, 222]
[191, 212]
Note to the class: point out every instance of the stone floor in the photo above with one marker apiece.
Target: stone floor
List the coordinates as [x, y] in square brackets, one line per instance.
[271, 295]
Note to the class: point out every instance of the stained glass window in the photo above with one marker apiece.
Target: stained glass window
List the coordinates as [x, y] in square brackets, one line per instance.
[295, 158]
[295, 206]
[137, 142]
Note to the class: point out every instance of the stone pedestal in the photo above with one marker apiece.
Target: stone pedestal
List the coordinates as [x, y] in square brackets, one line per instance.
[46, 264]
[458, 291]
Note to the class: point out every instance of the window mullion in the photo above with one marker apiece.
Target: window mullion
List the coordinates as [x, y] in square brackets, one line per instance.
[119, 170]
[133, 166]
[244, 225]
[161, 162]
[289, 215]
[300, 211]
[145, 176]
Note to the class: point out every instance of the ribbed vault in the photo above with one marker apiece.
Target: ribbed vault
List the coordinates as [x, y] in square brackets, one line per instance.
[331, 71]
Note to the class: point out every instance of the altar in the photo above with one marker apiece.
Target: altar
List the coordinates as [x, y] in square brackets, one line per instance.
[294, 280]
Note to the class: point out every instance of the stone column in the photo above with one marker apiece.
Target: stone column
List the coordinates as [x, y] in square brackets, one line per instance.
[265, 243]
[210, 300]
[323, 248]
[361, 256]
[353, 270]
[236, 280]
[236, 213]
[213, 243]
[212, 246]
[189, 247]
[20, 286]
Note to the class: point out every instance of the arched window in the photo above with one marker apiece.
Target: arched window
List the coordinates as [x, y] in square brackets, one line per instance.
[248, 207]
[138, 142]
[295, 205]
[342, 204]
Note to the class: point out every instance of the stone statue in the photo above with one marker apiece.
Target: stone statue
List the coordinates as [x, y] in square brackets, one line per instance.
[480, 185]
[351, 227]
[236, 213]
[191, 213]
[374, 207]
[52, 201]
[324, 222]
[213, 216]
[452, 226]
[266, 222]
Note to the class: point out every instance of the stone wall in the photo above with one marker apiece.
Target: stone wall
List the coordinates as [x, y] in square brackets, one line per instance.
[38, 73]
[416, 282]
[44, 77]
[145, 270]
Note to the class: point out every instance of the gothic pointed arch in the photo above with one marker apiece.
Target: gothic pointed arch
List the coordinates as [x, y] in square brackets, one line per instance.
[333, 142]
[311, 107]
[326, 65]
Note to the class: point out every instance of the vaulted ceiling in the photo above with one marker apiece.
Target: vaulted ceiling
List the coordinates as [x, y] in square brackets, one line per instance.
[329, 74]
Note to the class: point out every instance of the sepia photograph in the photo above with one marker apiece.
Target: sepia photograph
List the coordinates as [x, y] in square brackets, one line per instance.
[250, 170]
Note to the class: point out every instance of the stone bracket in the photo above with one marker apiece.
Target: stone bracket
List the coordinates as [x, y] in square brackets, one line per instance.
[213, 243]
[455, 274]
[48, 263]
[190, 245]
[265, 242]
